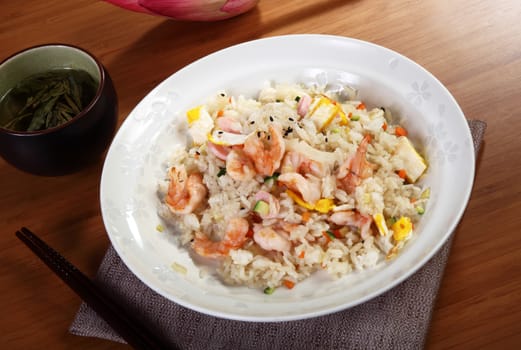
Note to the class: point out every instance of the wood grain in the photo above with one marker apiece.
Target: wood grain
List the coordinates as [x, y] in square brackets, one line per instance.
[473, 47]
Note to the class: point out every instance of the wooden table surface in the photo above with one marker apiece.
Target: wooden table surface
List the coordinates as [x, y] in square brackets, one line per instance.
[472, 46]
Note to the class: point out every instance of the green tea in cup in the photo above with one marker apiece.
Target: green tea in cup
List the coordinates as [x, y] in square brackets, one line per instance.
[46, 100]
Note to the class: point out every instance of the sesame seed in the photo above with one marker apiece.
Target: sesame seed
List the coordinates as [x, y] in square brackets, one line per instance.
[271, 118]
[258, 134]
[291, 119]
[220, 132]
[223, 94]
[252, 122]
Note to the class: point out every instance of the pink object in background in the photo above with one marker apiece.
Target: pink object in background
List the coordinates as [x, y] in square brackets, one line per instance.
[189, 10]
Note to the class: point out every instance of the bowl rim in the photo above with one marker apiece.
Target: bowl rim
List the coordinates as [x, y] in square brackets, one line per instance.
[142, 108]
[83, 112]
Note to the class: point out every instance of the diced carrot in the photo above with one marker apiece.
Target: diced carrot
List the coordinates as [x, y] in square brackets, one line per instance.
[384, 126]
[306, 216]
[361, 106]
[289, 284]
[220, 113]
[328, 237]
[402, 173]
[249, 234]
[302, 254]
[399, 131]
[337, 233]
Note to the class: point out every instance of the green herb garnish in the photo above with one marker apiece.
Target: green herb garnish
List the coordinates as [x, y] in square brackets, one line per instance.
[272, 177]
[222, 171]
[392, 220]
[330, 234]
[269, 290]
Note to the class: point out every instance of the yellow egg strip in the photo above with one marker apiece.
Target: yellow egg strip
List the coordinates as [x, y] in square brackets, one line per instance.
[324, 205]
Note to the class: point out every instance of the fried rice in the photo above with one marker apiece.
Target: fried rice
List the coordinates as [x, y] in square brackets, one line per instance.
[295, 180]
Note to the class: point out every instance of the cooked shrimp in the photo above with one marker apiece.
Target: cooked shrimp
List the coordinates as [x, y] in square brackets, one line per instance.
[353, 218]
[295, 162]
[269, 239]
[185, 192]
[229, 124]
[219, 151]
[266, 150]
[239, 166]
[308, 188]
[355, 168]
[234, 238]
[273, 203]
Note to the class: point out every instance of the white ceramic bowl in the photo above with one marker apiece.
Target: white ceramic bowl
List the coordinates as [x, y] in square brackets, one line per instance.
[135, 164]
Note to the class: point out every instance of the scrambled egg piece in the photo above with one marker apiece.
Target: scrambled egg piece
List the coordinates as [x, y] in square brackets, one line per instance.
[414, 164]
[324, 110]
[379, 220]
[324, 205]
[402, 228]
[200, 124]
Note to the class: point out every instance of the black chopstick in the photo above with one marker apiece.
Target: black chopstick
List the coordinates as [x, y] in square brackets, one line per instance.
[123, 322]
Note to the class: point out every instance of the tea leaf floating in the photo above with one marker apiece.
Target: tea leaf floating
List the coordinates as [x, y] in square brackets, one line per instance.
[47, 100]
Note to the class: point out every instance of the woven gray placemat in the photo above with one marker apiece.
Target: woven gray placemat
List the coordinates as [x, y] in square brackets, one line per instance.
[397, 319]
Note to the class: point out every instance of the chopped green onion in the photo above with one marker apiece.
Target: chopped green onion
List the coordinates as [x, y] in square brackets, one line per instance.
[269, 290]
[330, 234]
[179, 268]
[261, 207]
[426, 193]
[392, 220]
[159, 228]
[222, 171]
[297, 98]
[335, 130]
[355, 118]
[272, 177]
[420, 210]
